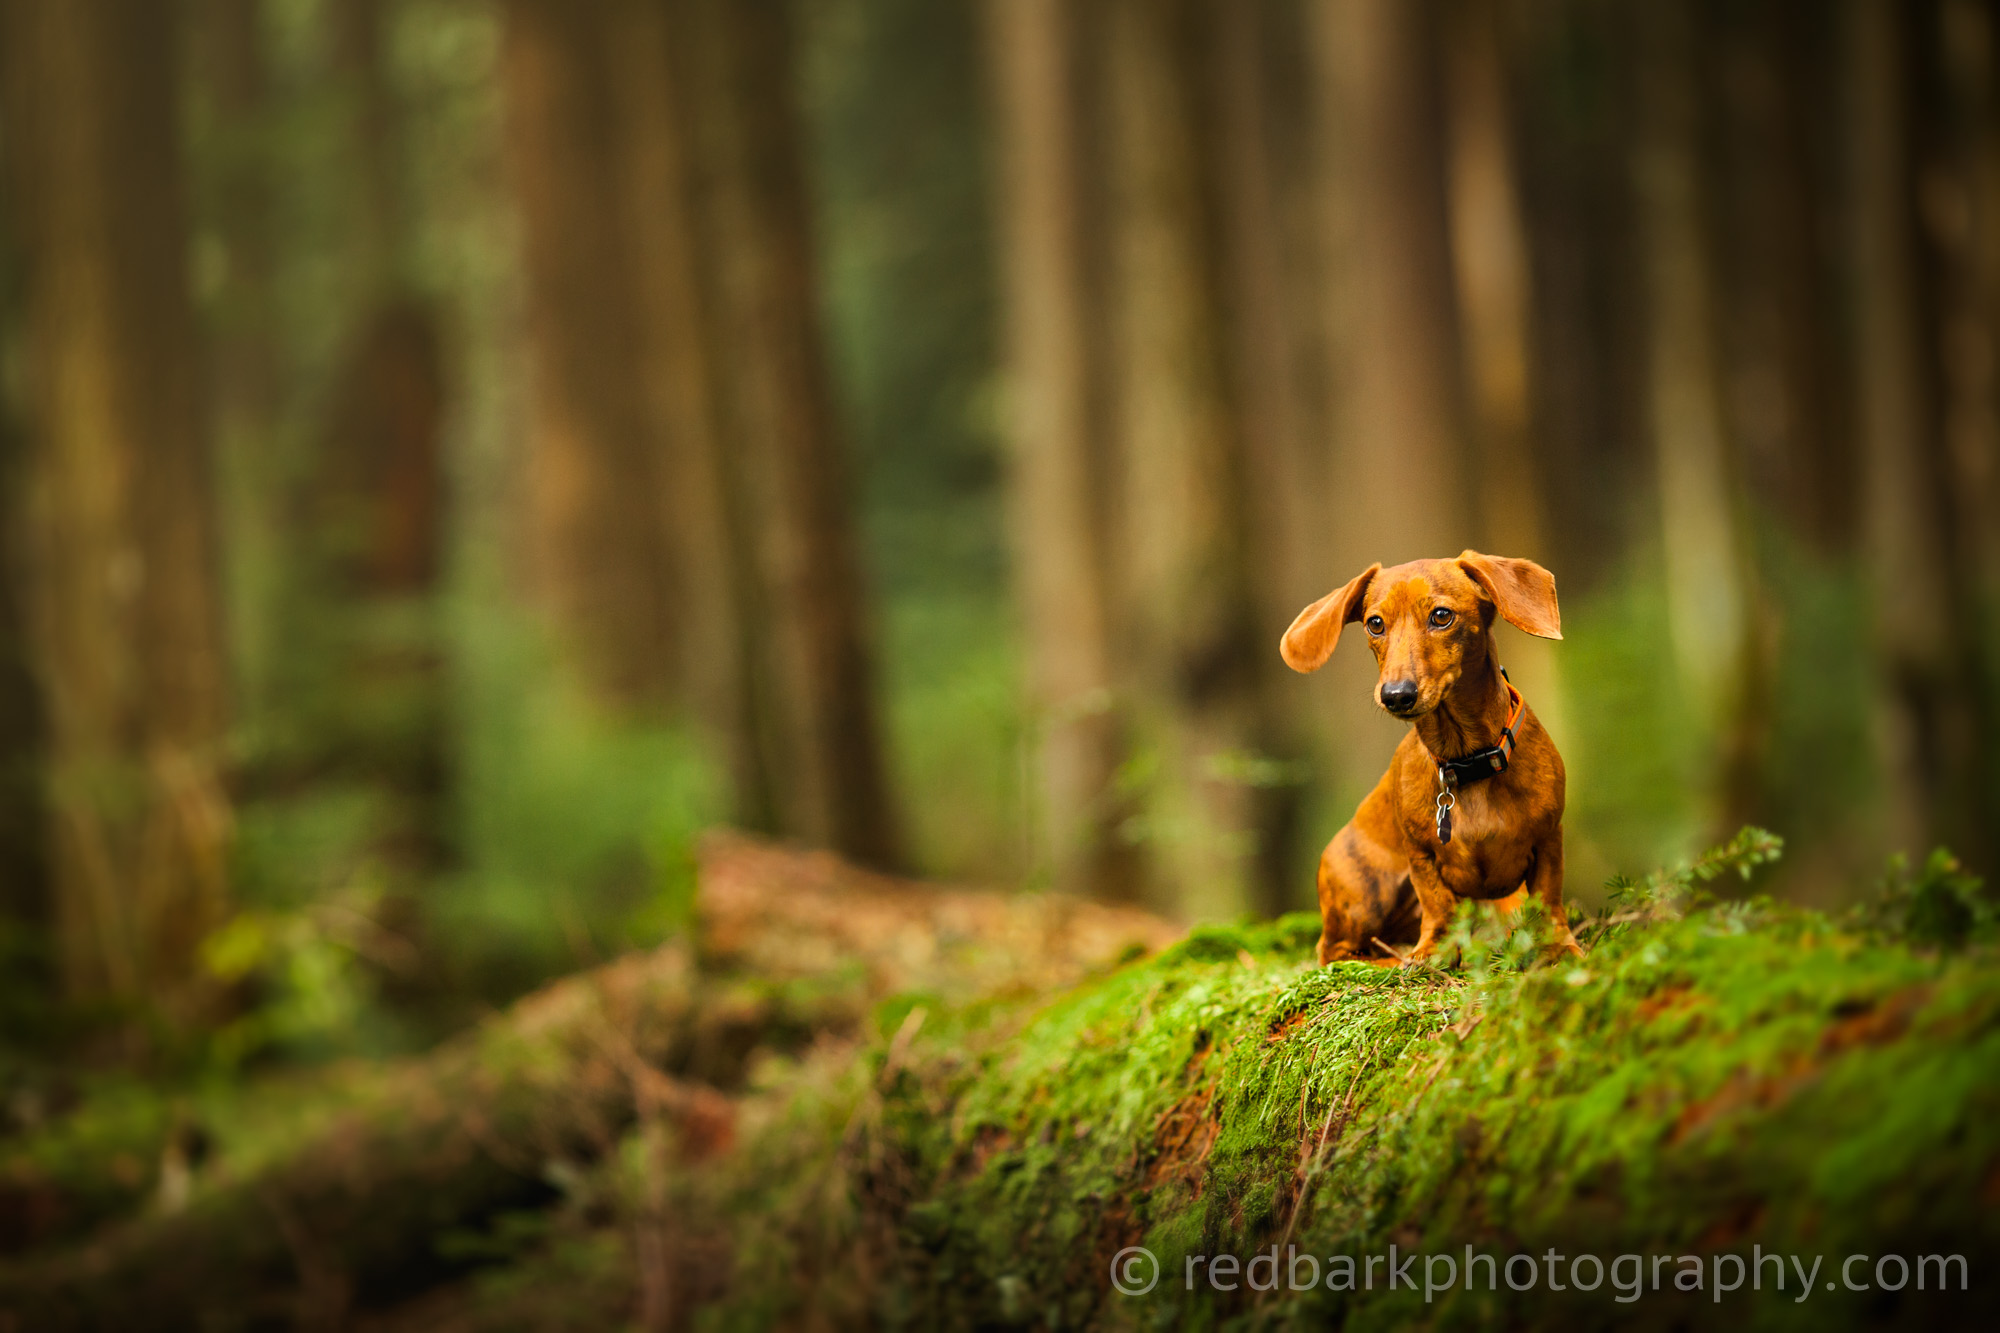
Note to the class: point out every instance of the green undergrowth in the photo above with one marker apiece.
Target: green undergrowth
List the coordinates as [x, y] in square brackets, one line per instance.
[1718, 1074]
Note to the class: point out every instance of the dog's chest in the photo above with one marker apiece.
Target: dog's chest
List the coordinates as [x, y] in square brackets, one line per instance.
[1490, 851]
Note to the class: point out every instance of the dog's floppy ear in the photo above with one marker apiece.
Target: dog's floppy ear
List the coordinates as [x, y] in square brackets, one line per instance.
[1311, 639]
[1521, 590]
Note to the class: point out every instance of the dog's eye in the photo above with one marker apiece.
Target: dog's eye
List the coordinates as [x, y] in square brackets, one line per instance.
[1374, 624]
[1440, 617]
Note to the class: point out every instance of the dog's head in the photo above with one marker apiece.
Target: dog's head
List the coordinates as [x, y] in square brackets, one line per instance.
[1428, 622]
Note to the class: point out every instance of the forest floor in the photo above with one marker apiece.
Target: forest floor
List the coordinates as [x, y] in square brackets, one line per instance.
[846, 1101]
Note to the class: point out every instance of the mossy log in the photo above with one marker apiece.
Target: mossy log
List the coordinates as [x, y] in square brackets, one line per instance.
[1709, 1088]
[1743, 1081]
[350, 1213]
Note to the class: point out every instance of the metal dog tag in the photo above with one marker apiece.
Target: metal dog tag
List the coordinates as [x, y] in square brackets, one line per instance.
[1445, 802]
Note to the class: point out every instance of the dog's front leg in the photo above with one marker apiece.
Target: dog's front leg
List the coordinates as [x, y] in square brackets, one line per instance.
[1434, 901]
[1545, 881]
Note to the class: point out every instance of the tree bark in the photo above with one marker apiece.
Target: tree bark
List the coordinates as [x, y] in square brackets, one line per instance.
[1588, 358]
[1279, 513]
[812, 680]
[1780, 345]
[121, 574]
[1394, 340]
[1400, 485]
[1184, 588]
[1058, 454]
[1959, 194]
[1710, 597]
[24, 871]
[1924, 717]
[707, 571]
[1490, 266]
[597, 561]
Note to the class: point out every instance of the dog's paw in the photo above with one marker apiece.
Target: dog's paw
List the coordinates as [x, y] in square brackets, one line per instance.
[1566, 945]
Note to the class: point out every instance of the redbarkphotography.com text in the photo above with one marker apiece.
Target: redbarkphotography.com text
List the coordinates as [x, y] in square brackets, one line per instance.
[1625, 1278]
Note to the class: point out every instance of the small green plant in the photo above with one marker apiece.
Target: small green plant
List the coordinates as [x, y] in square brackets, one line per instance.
[1669, 894]
[1942, 905]
[310, 975]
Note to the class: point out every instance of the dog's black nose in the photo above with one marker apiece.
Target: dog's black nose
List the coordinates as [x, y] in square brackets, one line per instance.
[1399, 696]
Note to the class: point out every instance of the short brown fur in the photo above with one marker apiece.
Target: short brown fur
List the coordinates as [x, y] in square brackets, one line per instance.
[1386, 880]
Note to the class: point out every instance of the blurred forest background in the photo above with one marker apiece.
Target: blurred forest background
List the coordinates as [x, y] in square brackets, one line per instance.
[457, 450]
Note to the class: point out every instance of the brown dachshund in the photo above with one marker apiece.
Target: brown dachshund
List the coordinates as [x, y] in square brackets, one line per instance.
[1472, 804]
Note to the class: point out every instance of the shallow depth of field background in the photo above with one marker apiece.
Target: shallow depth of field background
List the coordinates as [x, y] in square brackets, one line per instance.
[455, 452]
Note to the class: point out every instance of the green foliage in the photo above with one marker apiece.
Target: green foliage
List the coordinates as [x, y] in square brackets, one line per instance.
[1672, 892]
[1939, 906]
[1635, 748]
[579, 828]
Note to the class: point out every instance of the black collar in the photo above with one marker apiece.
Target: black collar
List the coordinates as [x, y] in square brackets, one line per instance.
[1486, 763]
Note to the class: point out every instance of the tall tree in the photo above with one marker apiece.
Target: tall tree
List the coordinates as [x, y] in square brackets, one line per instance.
[1710, 599]
[1779, 332]
[598, 556]
[1400, 474]
[1587, 358]
[121, 566]
[1960, 146]
[382, 452]
[709, 570]
[1184, 588]
[1282, 486]
[692, 543]
[1395, 341]
[24, 889]
[1490, 265]
[811, 674]
[235, 208]
[1929, 701]
[1058, 453]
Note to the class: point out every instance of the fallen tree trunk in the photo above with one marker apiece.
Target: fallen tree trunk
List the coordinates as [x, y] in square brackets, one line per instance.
[1703, 1090]
[352, 1214]
[794, 948]
[1242, 1139]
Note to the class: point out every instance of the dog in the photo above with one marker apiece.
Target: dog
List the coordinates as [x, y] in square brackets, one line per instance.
[1472, 804]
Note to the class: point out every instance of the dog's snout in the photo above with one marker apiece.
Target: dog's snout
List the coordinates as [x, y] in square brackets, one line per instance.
[1399, 696]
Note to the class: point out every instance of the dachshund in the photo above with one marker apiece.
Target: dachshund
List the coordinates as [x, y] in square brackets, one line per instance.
[1472, 804]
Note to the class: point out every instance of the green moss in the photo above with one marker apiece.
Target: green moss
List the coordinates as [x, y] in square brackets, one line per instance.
[1714, 1075]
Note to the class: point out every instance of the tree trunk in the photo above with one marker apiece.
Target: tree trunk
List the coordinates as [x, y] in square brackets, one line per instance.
[1394, 339]
[1279, 516]
[598, 563]
[1490, 265]
[1401, 486]
[1924, 714]
[1780, 346]
[384, 446]
[242, 327]
[121, 571]
[706, 569]
[1587, 361]
[1960, 196]
[24, 872]
[1710, 598]
[1184, 589]
[810, 671]
[1058, 453]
